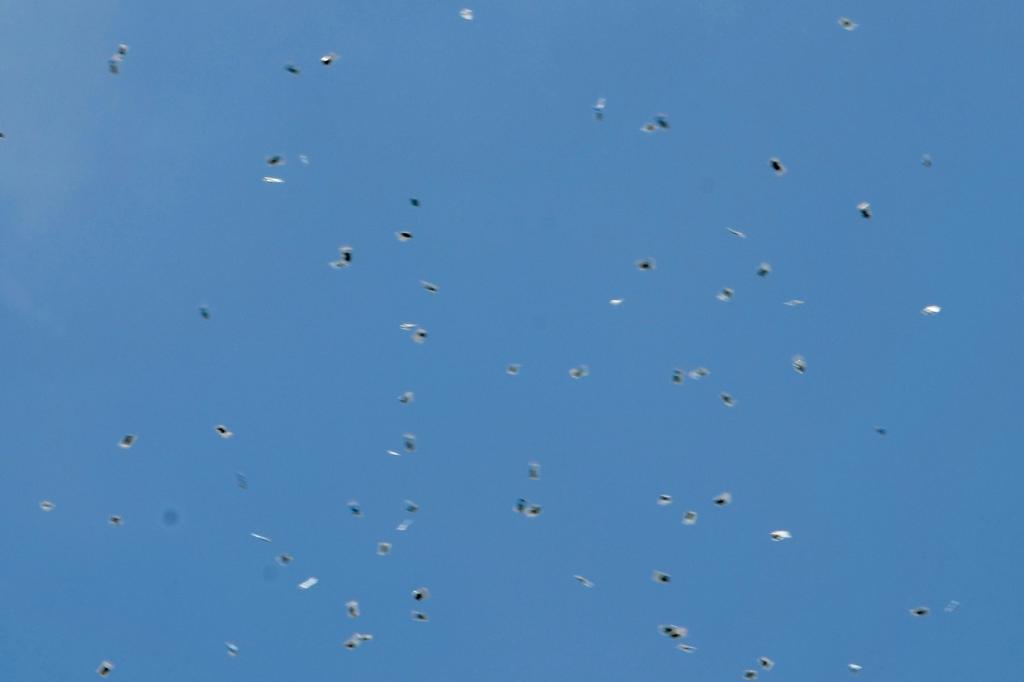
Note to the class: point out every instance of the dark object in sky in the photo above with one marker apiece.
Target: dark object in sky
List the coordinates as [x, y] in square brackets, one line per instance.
[105, 668]
[677, 376]
[881, 431]
[420, 616]
[171, 517]
[646, 264]
[328, 58]
[292, 69]
[284, 559]
[865, 209]
[115, 520]
[122, 49]
[662, 121]
[926, 161]
[415, 202]
[421, 594]
[660, 577]
[764, 269]
[750, 674]
[920, 611]
[354, 507]
[345, 258]
[204, 312]
[127, 441]
[777, 166]
[404, 235]
[799, 364]
[723, 499]
[766, 662]
[2, 136]
[727, 399]
[274, 160]
[847, 24]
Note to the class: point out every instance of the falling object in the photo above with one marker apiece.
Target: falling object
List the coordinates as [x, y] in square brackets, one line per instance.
[579, 372]
[430, 286]
[409, 442]
[583, 581]
[854, 668]
[420, 335]
[864, 208]
[847, 24]
[353, 506]
[750, 674]
[292, 69]
[127, 441]
[344, 258]
[223, 431]
[272, 180]
[47, 506]
[780, 535]
[793, 302]
[727, 399]
[308, 583]
[616, 301]
[115, 520]
[920, 611]
[284, 559]
[403, 236]
[262, 538]
[645, 264]
[420, 616]
[534, 471]
[799, 364]
[766, 662]
[415, 202]
[204, 312]
[664, 500]
[599, 108]
[275, 160]
[329, 58]
[678, 376]
[764, 269]
[352, 608]
[407, 398]
[686, 648]
[736, 233]
[689, 518]
[660, 577]
[106, 667]
[926, 161]
[673, 631]
[232, 649]
[723, 499]
[930, 310]
[512, 369]
[421, 594]
[383, 548]
[725, 295]
[411, 507]
[777, 166]
[466, 14]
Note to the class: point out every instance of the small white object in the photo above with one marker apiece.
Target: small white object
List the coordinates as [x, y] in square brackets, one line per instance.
[407, 326]
[127, 441]
[764, 269]
[411, 507]
[466, 14]
[262, 538]
[661, 577]
[394, 453]
[429, 286]
[616, 301]
[329, 58]
[723, 499]
[421, 594]
[308, 583]
[854, 668]
[725, 295]
[407, 397]
[780, 535]
[930, 310]
[404, 525]
[383, 548]
[736, 233]
[223, 431]
[664, 500]
[847, 24]
[47, 506]
[269, 179]
[304, 159]
[353, 506]
[799, 364]
[865, 209]
[583, 581]
[766, 663]
[952, 606]
[686, 648]
[793, 302]
[699, 373]
[232, 649]
[579, 372]
[689, 518]
[352, 608]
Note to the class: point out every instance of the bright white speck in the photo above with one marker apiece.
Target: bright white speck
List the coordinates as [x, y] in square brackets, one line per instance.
[780, 535]
[272, 180]
[308, 583]
[466, 14]
[929, 310]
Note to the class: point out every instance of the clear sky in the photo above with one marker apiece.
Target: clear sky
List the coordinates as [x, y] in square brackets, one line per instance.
[128, 201]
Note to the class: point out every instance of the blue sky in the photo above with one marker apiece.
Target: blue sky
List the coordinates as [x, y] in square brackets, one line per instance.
[128, 201]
